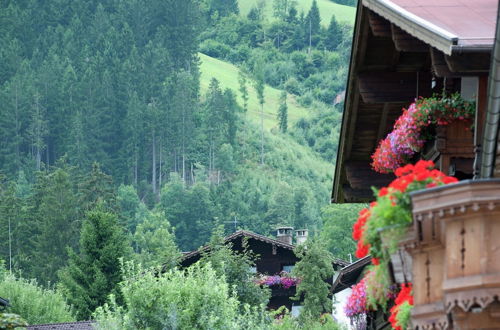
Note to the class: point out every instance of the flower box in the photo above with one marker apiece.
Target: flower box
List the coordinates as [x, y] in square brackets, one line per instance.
[450, 117]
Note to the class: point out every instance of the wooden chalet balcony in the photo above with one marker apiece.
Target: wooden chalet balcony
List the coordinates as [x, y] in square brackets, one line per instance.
[454, 248]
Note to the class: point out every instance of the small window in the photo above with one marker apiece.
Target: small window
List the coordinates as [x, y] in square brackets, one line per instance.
[288, 268]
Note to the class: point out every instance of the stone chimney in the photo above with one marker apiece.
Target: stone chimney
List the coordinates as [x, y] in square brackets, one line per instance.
[301, 236]
[285, 234]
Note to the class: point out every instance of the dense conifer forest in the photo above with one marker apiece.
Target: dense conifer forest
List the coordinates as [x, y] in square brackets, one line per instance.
[111, 130]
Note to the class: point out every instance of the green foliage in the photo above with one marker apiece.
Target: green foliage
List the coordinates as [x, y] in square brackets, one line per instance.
[326, 7]
[154, 242]
[283, 113]
[11, 321]
[390, 221]
[129, 205]
[338, 220]
[325, 322]
[196, 298]
[189, 210]
[223, 7]
[314, 268]
[94, 272]
[34, 303]
[56, 213]
[333, 35]
[313, 24]
[404, 313]
[378, 286]
[236, 269]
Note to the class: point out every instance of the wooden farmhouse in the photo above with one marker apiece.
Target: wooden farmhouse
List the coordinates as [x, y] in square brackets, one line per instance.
[273, 256]
[404, 49]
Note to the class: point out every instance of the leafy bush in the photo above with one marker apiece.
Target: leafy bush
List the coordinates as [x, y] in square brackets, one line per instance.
[193, 299]
[215, 49]
[32, 302]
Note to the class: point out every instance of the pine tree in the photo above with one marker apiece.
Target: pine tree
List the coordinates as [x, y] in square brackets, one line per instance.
[57, 213]
[97, 189]
[214, 120]
[259, 87]
[314, 268]
[94, 272]
[312, 25]
[283, 113]
[333, 35]
[281, 8]
[224, 7]
[242, 80]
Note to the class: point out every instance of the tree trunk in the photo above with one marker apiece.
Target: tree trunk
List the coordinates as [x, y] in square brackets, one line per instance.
[153, 181]
[262, 134]
[159, 170]
[135, 168]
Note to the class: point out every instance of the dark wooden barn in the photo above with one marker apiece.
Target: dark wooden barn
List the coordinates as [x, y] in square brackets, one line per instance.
[273, 257]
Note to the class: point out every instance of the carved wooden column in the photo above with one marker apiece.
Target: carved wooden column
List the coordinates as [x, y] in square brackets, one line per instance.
[427, 253]
[466, 220]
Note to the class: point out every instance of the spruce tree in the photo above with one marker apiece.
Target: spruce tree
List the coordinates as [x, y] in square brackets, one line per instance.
[56, 225]
[333, 35]
[242, 80]
[314, 268]
[283, 113]
[224, 7]
[94, 272]
[312, 25]
[97, 189]
[259, 87]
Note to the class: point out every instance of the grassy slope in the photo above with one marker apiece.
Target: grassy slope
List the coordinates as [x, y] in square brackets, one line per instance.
[227, 74]
[287, 150]
[326, 8]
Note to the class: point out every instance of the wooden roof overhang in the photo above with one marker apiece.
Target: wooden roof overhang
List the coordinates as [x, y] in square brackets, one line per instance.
[349, 275]
[396, 57]
[193, 256]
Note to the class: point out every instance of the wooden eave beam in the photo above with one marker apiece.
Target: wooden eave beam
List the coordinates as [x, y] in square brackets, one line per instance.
[459, 65]
[405, 42]
[469, 63]
[379, 26]
[393, 87]
[382, 126]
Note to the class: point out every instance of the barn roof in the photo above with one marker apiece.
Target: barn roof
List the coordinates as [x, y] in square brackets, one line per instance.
[82, 325]
[245, 233]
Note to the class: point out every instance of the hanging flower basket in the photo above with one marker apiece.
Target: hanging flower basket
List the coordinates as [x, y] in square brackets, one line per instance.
[410, 131]
[381, 228]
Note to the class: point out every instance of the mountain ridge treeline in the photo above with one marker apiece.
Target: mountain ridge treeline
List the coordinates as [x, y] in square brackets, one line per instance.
[101, 106]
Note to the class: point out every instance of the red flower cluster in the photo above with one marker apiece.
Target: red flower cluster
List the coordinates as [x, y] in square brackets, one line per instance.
[357, 233]
[422, 173]
[406, 138]
[404, 296]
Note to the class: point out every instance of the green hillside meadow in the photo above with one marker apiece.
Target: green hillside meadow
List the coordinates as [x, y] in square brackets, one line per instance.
[327, 8]
[227, 74]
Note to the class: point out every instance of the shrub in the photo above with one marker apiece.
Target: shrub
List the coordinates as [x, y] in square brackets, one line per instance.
[192, 299]
[33, 303]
